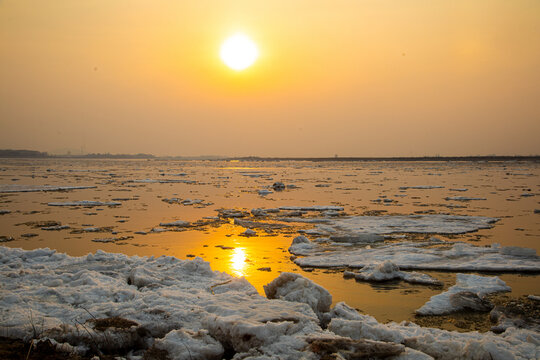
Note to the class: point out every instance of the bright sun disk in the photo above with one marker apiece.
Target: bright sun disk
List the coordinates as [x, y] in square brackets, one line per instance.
[239, 52]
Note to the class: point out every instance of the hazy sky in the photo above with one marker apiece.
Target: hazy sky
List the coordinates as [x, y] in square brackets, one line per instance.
[353, 78]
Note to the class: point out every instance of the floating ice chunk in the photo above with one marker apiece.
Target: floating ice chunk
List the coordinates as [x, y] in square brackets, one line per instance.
[387, 270]
[258, 224]
[264, 192]
[105, 240]
[312, 208]
[421, 187]
[177, 223]
[458, 189]
[463, 198]
[379, 272]
[232, 213]
[55, 227]
[517, 251]
[186, 344]
[10, 188]
[172, 200]
[113, 239]
[3, 211]
[407, 255]
[419, 278]
[301, 246]
[92, 229]
[424, 224]
[191, 202]
[534, 297]
[158, 230]
[86, 203]
[294, 287]
[249, 233]
[148, 181]
[366, 238]
[259, 212]
[161, 181]
[466, 284]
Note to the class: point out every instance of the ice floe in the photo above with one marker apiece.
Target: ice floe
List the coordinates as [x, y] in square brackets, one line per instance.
[467, 293]
[387, 270]
[463, 198]
[87, 203]
[312, 208]
[177, 223]
[11, 188]
[421, 187]
[249, 233]
[418, 255]
[55, 227]
[424, 224]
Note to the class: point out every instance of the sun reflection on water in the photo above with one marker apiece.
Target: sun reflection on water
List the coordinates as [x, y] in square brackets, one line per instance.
[238, 261]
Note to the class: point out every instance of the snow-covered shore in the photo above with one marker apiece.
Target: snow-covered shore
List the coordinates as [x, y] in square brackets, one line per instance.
[192, 312]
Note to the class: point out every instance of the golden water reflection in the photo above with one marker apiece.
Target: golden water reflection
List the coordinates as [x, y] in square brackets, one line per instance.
[238, 261]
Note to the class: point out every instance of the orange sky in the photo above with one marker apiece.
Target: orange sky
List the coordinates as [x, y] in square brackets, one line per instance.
[353, 78]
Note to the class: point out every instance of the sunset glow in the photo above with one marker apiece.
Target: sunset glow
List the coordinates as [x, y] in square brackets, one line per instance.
[238, 261]
[238, 52]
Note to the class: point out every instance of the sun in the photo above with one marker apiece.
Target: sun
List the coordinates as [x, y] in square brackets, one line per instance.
[239, 52]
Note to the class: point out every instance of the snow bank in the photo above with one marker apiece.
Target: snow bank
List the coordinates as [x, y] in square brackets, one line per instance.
[467, 293]
[408, 255]
[295, 287]
[187, 344]
[441, 344]
[58, 293]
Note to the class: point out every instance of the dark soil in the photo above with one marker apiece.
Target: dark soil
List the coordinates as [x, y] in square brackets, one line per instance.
[112, 322]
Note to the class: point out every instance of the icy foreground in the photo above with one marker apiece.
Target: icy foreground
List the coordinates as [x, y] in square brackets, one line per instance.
[192, 312]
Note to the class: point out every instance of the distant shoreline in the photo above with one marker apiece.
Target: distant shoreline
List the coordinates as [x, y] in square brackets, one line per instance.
[31, 154]
[411, 158]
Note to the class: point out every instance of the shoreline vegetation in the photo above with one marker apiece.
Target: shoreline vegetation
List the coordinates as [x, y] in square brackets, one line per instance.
[33, 154]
